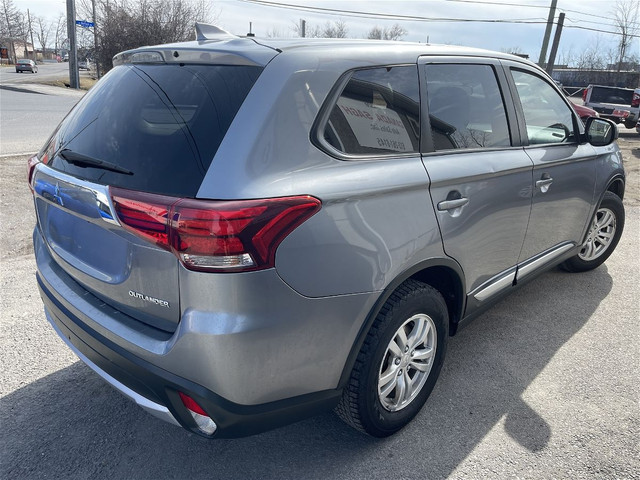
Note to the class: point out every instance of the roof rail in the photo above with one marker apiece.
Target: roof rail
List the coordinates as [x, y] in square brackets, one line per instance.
[205, 31]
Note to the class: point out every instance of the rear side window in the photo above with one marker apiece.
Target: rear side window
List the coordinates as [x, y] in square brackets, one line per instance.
[466, 109]
[377, 113]
[160, 124]
[549, 119]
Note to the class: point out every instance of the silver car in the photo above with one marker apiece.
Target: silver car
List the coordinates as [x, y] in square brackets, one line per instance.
[238, 233]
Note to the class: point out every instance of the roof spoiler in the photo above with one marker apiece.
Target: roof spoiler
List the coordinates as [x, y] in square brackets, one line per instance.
[205, 31]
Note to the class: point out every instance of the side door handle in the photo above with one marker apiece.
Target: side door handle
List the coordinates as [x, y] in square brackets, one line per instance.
[544, 183]
[452, 204]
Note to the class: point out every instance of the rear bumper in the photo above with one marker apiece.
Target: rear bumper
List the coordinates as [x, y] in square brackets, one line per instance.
[156, 390]
[258, 356]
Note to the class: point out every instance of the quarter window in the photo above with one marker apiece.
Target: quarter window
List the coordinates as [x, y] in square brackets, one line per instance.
[377, 113]
[466, 109]
[547, 116]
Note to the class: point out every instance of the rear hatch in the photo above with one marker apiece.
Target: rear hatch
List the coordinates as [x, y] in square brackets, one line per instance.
[145, 128]
[610, 100]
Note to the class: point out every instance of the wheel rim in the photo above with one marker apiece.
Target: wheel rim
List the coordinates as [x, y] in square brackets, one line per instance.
[407, 362]
[601, 233]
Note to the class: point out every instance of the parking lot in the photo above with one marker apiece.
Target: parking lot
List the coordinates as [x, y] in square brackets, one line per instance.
[544, 385]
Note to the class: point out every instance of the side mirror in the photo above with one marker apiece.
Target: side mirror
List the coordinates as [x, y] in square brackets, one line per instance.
[600, 132]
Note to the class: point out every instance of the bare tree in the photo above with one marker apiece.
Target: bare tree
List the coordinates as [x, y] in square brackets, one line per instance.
[43, 30]
[337, 29]
[11, 26]
[627, 22]
[395, 32]
[60, 32]
[126, 24]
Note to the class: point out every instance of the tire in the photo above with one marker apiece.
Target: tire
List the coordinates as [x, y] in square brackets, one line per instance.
[375, 400]
[604, 233]
[630, 125]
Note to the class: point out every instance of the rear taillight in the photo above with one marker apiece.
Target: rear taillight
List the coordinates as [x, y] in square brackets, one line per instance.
[31, 166]
[584, 94]
[214, 235]
[635, 101]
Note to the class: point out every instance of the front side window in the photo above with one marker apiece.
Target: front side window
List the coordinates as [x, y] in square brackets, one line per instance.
[465, 107]
[548, 118]
[377, 113]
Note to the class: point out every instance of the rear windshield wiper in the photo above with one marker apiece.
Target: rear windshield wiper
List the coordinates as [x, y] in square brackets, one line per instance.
[82, 160]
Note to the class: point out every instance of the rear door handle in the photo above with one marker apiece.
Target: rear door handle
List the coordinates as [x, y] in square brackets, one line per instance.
[452, 204]
[544, 184]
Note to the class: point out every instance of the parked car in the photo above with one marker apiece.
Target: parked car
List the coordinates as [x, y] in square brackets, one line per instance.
[83, 65]
[237, 234]
[584, 112]
[26, 65]
[622, 105]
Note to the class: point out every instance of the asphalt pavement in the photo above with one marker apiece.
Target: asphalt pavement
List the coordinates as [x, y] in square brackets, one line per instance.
[544, 385]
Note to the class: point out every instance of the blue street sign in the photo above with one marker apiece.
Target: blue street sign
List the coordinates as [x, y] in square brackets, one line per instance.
[84, 23]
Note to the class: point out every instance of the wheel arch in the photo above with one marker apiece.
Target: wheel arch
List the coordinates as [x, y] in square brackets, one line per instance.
[616, 185]
[443, 274]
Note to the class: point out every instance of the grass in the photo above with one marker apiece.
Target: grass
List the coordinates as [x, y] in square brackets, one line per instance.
[85, 82]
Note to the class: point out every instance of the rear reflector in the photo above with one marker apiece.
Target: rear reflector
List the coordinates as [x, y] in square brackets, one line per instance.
[214, 235]
[205, 424]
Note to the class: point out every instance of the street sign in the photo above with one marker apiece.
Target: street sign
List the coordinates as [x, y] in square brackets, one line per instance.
[84, 23]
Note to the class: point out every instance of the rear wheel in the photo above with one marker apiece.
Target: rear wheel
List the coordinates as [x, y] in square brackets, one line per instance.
[604, 234]
[399, 362]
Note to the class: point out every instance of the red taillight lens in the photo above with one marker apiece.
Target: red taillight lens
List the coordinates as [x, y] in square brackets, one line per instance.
[584, 94]
[206, 235]
[145, 214]
[31, 166]
[635, 101]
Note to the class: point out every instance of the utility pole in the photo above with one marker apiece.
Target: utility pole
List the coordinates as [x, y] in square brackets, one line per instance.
[31, 33]
[95, 39]
[554, 47]
[303, 28]
[547, 34]
[74, 76]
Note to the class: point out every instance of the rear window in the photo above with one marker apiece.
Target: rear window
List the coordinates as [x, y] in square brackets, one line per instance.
[161, 125]
[618, 96]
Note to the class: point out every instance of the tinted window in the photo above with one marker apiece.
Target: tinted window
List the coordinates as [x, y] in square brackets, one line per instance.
[465, 107]
[377, 113]
[163, 123]
[619, 96]
[549, 119]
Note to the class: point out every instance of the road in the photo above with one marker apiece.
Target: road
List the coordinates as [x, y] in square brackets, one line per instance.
[28, 111]
[46, 72]
[544, 385]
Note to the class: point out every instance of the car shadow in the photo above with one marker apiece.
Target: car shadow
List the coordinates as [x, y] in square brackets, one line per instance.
[71, 424]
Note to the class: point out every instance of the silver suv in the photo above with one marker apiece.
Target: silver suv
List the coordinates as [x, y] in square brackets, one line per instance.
[238, 233]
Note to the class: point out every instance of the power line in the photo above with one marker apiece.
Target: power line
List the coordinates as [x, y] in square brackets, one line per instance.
[386, 16]
[419, 18]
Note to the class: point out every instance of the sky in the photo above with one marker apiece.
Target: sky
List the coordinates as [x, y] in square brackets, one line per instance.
[526, 37]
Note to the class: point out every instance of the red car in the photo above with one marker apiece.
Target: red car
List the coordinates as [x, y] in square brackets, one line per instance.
[585, 112]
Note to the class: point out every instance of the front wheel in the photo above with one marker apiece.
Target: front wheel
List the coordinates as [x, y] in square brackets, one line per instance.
[604, 233]
[399, 362]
